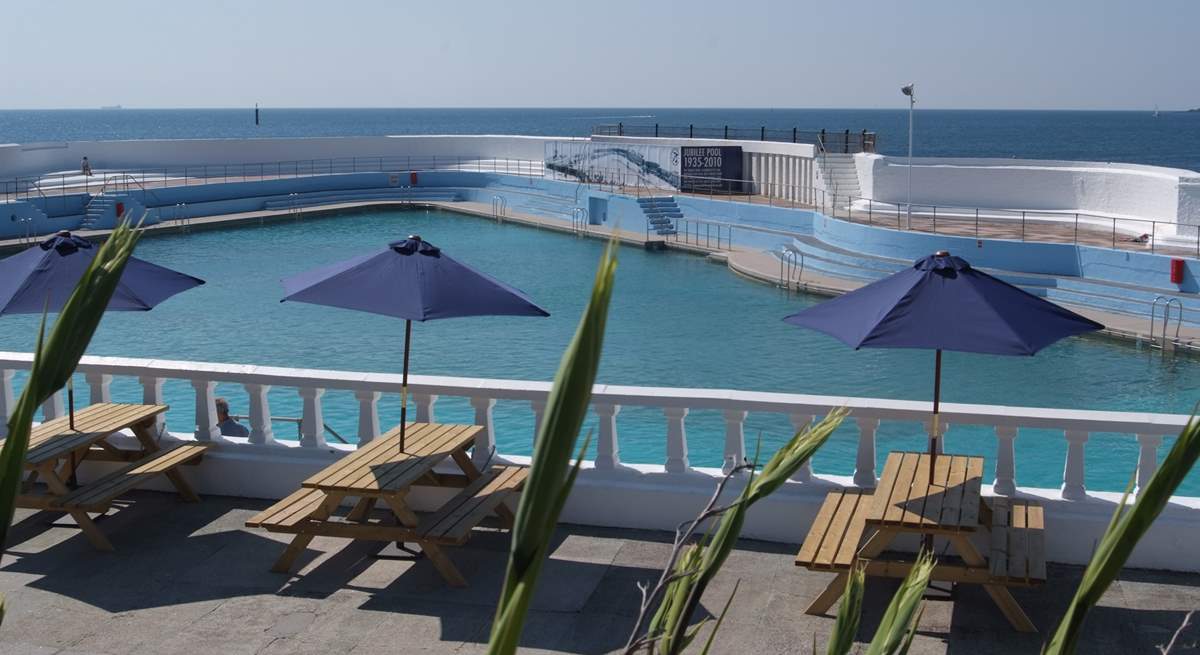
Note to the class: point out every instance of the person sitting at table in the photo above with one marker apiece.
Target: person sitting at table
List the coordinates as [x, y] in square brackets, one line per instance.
[228, 426]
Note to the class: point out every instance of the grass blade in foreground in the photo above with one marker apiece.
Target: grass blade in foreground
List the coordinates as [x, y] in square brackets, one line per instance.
[899, 621]
[57, 356]
[1123, 534]
[551, 474]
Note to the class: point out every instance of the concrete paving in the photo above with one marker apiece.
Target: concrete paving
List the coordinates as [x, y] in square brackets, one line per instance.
[190, 578]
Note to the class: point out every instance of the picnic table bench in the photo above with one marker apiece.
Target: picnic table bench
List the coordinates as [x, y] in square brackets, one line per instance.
[380, 472]
[56, 450]
[950, 506]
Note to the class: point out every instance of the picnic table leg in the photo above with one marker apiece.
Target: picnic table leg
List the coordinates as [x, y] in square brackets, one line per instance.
[432, 551]
[149, 445]
[86, 525]
[464, 461]
[300, 542]
[362, 509]
[999, 593]
[875, 545]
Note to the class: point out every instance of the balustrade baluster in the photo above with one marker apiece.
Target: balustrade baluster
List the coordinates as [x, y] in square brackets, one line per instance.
[152, 394]
[100, 387]
[53, 406]
[1073, 487]
[799, 422]
[261, 430]
[735, 439]
[864, 461]
[7, 400]
[608, 452]
[1147, 458]
[485, 443]
[312, 420]
[368, 416]
[425, 407]
[539, 409]
[206, 411]
[1006, 468]
[677, 448]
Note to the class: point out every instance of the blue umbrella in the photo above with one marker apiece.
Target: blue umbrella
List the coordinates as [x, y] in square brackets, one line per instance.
[412, 280]
[941, 303]
[42, 278]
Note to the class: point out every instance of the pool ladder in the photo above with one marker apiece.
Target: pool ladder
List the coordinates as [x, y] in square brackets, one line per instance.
[791, 268]
[579, 220]
[499, 208]
[1166, 344]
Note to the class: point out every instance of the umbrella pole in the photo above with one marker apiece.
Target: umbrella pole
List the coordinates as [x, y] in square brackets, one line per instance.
[71, 402]
[937, 398]
[404, 382]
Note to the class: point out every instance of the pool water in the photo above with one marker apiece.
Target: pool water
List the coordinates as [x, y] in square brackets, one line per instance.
[676, 320]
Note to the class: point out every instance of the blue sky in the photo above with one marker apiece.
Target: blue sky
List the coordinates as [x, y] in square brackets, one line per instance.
[614, 53]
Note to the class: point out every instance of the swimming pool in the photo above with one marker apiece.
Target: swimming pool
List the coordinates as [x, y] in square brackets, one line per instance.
[676, 320]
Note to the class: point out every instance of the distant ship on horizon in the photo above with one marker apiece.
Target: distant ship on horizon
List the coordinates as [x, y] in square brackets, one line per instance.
[110, 107]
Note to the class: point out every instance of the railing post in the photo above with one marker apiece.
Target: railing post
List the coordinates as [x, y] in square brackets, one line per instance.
[805, 472]
[53, 407]
[1073, 487]
[312, 420]
[608, 451]
[1006, 469]
[864, 461]
[1147, 458]
[261, 430]
[735, 439]
[485, 443]
[940, 437]
[368, 416]
[539, 411]
[677, 448]
[425, 407]
[99, 387]
[206, 411]
[152, 394]
[7, 399]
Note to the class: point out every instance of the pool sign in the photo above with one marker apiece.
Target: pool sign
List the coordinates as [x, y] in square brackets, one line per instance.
[708, 169]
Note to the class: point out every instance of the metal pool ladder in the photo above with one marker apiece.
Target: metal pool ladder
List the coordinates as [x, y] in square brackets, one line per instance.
[579, 220]
[499, 208]
[1166, 320]
[791, 262]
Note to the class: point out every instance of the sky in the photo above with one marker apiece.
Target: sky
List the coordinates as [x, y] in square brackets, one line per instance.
[1048, 54]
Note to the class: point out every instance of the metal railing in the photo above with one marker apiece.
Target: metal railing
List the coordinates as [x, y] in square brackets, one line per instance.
[790, 260]
[579, 220]
[1166, 319]
[836, 141]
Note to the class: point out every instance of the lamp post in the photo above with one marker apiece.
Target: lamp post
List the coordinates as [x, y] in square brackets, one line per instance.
[910, 91]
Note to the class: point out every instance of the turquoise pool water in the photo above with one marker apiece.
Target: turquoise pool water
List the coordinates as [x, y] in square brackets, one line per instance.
[676, 320]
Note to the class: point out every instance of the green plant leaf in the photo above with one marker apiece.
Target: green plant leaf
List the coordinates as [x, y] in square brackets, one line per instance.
[721, 618]
[900, 618]
[550, 474]
[845, 627]
[1127, 528]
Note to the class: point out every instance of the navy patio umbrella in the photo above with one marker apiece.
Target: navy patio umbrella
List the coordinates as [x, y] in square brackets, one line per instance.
[412, 279]
[42, 278]
[942, 303]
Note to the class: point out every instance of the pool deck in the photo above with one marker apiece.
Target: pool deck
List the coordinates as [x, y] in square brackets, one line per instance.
[191, 578]
[750, 263]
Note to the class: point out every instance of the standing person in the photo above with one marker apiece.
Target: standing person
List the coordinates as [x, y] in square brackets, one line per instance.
[228, 426]
[85, 167]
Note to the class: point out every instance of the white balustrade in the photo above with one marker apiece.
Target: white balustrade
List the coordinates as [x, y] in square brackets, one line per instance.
[368, 415]
[152, 394]
[1006, 466]
[206, 410]
[1147, 458]
[312, 419]
[677, 446]
[1073, 487]
[864, 460]
[608, 451]
[735, 439]
[799, 422]
[53, 406]
[425, 407]
[261, 430]
[99, 387]
[607, 401]
[7, 400]
[485, 443]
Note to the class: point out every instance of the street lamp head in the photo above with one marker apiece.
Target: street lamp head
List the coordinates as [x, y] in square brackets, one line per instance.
[907, 89]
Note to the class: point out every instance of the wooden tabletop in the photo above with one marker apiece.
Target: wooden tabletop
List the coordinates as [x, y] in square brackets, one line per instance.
[379, 468]
[906, 499]
[54, 439]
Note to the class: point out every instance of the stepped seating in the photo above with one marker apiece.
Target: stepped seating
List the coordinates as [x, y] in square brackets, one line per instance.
[101, 211]
[661, 214]
[356, 195]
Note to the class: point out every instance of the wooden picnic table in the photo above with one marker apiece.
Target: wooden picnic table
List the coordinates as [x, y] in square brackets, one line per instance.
[948, 506]
[380, 472]
[56, 450]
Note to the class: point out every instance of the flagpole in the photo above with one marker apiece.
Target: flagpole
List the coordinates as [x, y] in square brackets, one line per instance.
[404, 382]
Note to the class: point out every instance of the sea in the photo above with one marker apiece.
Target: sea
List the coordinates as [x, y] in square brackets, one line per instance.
[1170, 138]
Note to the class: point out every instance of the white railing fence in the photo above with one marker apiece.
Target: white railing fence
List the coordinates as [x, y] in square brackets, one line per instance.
[607, 401]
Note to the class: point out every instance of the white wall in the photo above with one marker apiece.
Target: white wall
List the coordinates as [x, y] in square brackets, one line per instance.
[1106, 189]
[18, 160]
